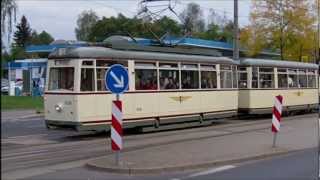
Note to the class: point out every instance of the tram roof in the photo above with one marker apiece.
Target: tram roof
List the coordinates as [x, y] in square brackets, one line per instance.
[103, 52]
[277, 63]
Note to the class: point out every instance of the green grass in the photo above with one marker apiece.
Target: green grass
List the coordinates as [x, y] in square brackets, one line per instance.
[21, 102]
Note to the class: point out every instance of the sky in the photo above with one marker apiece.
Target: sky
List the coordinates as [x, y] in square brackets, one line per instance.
[58, 17]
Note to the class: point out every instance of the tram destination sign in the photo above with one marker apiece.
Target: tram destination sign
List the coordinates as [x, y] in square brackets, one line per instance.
[117, 79]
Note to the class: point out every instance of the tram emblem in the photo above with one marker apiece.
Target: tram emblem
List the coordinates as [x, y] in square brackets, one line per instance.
[181, 98]
[299, 93]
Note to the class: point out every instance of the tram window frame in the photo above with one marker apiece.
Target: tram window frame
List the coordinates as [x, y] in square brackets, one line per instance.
[234, 77]
[293, 73]
[210, 72]
[190, 72]
[264, 73]
[226, 70]
[281, 72]
[169, 67]
[312, 73]
[255, 77]
[242, 72]
[302, 73]
[143, 66]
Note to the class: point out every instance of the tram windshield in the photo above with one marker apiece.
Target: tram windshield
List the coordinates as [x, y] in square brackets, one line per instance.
[61, 79]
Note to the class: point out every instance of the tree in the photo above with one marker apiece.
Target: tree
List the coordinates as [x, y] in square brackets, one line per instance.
[193, 21]
[86, 20]
[280, 25]
[22, 36]
[8, 17]
[42, 38]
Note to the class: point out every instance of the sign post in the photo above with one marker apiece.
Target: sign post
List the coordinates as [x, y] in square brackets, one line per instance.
[276, 118]
[116, 80]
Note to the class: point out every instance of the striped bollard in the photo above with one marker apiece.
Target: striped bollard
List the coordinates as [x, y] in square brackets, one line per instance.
[276, 117]
[116, 128]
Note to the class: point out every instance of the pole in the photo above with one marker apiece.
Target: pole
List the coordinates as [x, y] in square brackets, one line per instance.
[274, 139]
[117, 158]
[235, 32]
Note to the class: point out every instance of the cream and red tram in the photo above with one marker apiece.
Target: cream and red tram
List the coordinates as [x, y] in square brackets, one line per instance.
[163, 88]
[260, 80]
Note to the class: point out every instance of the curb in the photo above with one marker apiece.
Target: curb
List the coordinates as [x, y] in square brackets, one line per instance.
[131, 170]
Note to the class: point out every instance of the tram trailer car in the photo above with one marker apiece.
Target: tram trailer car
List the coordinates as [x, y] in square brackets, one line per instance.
[164, 88]
[260, 80]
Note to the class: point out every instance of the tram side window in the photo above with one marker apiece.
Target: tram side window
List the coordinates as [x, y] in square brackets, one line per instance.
[189, 77]
[208, 77]
[266, 77]
[312, 79]
[282, 78]
[100, 79]
[302, 79]
[254, 77]
[146, 76]
[61, 78]
[242, 76]
[293, 78]
[225, 76]
[169, 79]
[87, 79]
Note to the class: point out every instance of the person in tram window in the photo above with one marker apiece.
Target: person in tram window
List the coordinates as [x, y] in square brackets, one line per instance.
[171, 84]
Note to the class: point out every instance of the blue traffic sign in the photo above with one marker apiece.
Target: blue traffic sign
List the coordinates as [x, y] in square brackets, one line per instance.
[117, 79]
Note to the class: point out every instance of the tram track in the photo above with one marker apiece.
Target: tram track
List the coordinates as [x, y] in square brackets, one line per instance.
[68, 151]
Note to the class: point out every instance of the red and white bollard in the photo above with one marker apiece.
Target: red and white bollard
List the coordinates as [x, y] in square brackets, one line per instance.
[276, 117]
[116, 128]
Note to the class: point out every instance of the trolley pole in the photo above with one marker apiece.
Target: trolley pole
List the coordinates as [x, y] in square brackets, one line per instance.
[235, 32]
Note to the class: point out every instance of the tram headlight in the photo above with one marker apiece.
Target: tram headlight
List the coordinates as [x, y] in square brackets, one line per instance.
[58, 107]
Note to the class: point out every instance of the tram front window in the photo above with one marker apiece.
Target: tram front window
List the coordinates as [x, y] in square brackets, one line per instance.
[61, 78]
[87, 79]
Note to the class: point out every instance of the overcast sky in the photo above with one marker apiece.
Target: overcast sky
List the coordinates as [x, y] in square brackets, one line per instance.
[58, 17]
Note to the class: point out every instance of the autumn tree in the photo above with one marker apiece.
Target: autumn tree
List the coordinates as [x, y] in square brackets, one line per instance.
[282, 25]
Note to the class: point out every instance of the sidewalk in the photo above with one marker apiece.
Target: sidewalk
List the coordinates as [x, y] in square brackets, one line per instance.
[18, 114]
[249, 145]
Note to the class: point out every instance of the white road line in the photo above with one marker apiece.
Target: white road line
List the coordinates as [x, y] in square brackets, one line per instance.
[211, 171]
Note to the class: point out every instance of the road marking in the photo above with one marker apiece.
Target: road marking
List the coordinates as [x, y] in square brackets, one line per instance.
[211, 171]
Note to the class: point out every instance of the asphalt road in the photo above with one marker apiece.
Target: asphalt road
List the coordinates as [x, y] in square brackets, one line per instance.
[295, 166]
[30, 151]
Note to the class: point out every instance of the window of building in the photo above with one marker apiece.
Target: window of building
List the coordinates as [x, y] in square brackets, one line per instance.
[312, 83]
[87, 79]
[225, 76]
[266, 78]
[189, 76]
[146, 76]
[292, 78]
[61, 78]
[282, 78]
[169, 76]
[302, 79]
[255, 76]
[243, 77]
[208, 77]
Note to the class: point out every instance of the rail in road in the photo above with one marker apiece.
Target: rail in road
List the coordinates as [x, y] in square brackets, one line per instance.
[64, 149]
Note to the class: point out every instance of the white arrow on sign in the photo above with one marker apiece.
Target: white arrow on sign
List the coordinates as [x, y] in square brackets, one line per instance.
[120, 82]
